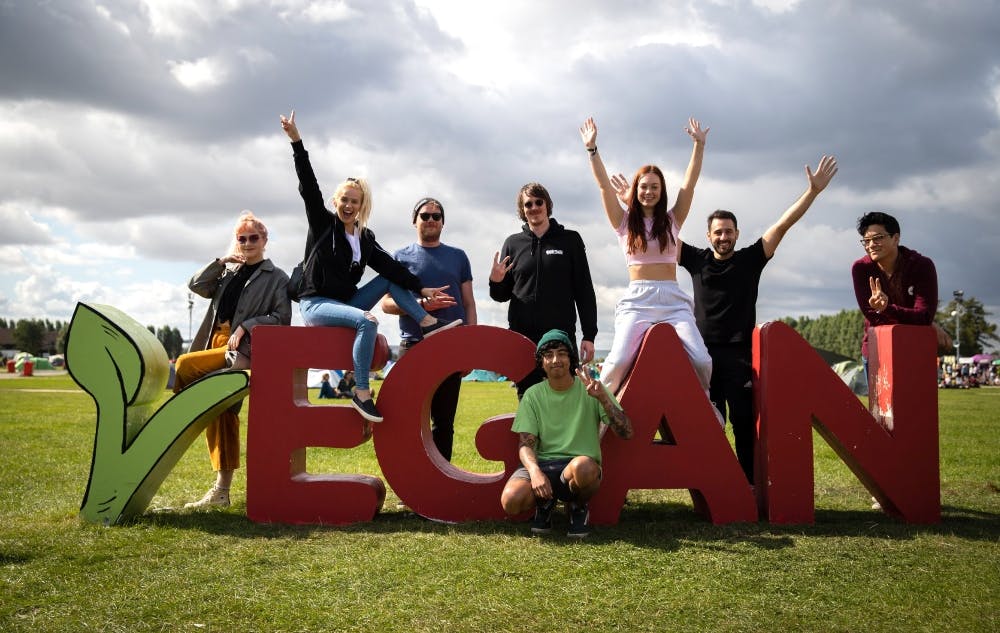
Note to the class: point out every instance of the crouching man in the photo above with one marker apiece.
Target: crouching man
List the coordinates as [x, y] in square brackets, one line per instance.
[559, 425]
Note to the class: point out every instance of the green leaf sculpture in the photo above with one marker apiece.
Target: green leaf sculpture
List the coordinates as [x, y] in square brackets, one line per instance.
[124, 368]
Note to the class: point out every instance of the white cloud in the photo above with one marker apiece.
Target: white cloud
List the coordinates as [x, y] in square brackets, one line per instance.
[105, 13]
[200, 74]
[19, 227]
[327, 11]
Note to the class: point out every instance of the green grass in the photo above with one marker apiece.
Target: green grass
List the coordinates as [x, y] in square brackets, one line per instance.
[663, 568]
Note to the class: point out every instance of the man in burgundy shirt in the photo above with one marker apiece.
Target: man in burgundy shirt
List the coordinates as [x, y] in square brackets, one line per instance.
[893, 284]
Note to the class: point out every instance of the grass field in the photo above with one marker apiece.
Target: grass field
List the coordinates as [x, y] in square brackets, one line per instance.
[663, 568]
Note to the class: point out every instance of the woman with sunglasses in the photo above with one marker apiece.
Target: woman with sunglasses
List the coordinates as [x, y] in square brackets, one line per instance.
[345, 247]
[648, 232]
[246, 290]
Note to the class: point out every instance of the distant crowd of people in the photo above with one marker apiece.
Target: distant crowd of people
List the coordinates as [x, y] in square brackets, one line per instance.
[968, 375]
[542, 273]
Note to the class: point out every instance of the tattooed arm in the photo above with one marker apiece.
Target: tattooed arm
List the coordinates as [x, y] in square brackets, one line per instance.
[617, 419]
[526, 451]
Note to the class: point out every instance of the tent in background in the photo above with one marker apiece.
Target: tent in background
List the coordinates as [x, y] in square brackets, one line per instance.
[484, 375]
[315, 377]
[852, 373]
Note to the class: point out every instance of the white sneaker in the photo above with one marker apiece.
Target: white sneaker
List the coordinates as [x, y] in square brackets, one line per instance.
[215, 497]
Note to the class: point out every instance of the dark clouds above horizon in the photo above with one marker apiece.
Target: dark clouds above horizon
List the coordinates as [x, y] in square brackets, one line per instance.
[133, 132]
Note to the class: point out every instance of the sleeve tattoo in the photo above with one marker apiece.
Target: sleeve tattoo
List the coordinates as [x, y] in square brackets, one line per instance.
[618, 421]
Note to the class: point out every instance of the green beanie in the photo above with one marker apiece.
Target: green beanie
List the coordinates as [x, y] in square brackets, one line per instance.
[555, 335]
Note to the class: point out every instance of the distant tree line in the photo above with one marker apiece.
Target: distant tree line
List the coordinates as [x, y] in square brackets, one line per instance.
[35, 335]
[170, 338]
[841, 333]
[976, 331]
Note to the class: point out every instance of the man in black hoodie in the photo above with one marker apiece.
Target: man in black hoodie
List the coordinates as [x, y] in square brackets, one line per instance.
[543, 272]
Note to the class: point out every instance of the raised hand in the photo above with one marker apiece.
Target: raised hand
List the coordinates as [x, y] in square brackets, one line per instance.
[588, 133]
[825, 172]
[594, 387]
[622, 185]
[288, 125]
[500, 268]
[879, 300]
[695, 132]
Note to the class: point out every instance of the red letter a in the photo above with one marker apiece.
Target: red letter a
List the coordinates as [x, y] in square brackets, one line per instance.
[664, 387]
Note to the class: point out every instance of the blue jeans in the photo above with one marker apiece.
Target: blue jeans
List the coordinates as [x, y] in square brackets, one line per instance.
[317, 310]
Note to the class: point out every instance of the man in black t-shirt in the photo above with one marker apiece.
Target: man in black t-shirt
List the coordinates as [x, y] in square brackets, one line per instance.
[725, 305]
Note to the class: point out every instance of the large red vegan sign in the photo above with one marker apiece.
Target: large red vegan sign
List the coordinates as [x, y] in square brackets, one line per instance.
[893, 449]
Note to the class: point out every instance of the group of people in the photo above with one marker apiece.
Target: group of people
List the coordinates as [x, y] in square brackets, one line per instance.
[967, 375]
[345, 388]
[543, 274]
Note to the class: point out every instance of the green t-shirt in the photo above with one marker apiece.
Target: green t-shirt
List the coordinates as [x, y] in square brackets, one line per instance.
[567, 423]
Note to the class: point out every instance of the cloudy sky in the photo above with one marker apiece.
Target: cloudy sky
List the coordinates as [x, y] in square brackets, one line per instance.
[132, 132]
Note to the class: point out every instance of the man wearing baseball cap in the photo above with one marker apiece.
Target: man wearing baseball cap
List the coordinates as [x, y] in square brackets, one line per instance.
[559, 422]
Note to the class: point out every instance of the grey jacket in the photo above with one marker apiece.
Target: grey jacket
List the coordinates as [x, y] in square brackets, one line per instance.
[264, 301]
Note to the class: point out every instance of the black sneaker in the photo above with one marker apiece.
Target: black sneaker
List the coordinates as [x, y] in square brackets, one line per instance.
[441, 324]
[542, 523]
[579, 514]
[366, 409]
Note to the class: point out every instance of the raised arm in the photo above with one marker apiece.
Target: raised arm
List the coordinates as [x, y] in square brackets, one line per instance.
[288, 125]
[817, 182]
[588, 133]
[686, 195]
[617, 420]
[501, 281]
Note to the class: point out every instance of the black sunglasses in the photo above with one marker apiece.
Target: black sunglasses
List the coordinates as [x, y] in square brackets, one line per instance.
[252, 238]
[431, 216]
[534, 203]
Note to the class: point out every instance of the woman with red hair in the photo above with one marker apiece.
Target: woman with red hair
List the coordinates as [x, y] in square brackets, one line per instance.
[647, 231]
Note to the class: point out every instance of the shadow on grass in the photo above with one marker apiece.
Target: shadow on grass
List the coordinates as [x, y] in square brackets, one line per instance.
[657, 525]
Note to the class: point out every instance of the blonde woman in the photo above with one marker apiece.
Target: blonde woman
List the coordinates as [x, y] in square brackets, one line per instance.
[346, 246]
[246, 290]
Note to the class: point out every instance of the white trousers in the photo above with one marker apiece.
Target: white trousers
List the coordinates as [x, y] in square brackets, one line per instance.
[645, 304]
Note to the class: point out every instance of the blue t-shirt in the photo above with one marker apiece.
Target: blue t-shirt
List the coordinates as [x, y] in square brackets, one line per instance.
[436, 266]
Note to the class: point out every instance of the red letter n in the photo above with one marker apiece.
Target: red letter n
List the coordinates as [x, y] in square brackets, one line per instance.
[894, 454]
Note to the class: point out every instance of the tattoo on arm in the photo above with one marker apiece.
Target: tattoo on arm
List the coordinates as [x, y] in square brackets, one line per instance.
[618, 421]
[527, 439]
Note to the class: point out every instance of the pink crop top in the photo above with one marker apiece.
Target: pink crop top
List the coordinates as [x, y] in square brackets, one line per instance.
[652, 254]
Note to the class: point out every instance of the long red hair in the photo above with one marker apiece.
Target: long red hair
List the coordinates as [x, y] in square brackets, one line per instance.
[661, 229]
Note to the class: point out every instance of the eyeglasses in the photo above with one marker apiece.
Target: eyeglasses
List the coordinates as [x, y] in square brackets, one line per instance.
[431, 216]
[874, 239]
[252, 238]
[352, 179]
[528, 204]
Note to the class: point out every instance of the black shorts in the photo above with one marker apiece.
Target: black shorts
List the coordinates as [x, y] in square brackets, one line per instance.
[553, 470]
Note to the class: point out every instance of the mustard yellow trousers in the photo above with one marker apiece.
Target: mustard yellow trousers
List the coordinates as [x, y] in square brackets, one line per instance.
[223, 433]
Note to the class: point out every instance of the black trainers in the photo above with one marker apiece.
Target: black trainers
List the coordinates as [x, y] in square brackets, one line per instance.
[542, 523]
[441, 324]
[579, 514]
[366, 409]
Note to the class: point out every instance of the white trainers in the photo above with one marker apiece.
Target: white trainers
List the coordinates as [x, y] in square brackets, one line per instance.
[215, 497]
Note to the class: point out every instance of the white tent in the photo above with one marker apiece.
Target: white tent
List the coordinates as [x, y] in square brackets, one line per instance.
[852, 373]
[315, 377]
